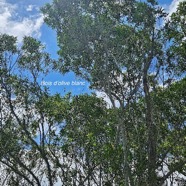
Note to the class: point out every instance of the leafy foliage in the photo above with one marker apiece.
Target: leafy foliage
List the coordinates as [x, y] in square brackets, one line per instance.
[77, 140]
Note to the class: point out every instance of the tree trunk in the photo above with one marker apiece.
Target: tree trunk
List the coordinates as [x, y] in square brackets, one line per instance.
[151, 133]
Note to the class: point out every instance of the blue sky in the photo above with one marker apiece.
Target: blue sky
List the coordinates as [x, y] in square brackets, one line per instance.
[22, 17]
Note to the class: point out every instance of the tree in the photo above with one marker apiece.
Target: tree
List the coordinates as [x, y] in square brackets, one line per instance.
[176, 34]
[171, 104]
[23, 130]
[120, 49]
[47, 139]
[77, 140]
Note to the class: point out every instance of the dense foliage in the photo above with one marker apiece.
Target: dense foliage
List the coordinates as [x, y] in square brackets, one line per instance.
[133, 52]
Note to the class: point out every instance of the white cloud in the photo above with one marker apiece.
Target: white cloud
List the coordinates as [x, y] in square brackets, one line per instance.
[30, 8]
[13, 22]
[106, 98]
[173, 6]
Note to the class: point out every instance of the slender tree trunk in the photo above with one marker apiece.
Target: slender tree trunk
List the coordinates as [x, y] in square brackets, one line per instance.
[151, 132]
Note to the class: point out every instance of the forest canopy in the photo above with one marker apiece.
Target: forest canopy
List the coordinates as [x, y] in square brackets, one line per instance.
[132, 51]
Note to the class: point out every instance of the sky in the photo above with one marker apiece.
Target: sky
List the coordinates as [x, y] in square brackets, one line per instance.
[23, 17]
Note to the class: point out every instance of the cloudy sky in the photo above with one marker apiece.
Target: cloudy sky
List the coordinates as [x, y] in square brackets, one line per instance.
[22, 17]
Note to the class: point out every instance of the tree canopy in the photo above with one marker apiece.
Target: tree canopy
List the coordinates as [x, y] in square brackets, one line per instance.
[132, 51]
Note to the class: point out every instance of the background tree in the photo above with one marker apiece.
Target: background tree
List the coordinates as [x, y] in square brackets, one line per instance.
[47, 139]
[171, 104]
[23, 128]
[177, 36]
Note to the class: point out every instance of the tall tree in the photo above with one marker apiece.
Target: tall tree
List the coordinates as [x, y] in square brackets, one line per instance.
[22, 129]
[47, 139]
[113, 46]
[121, 50]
